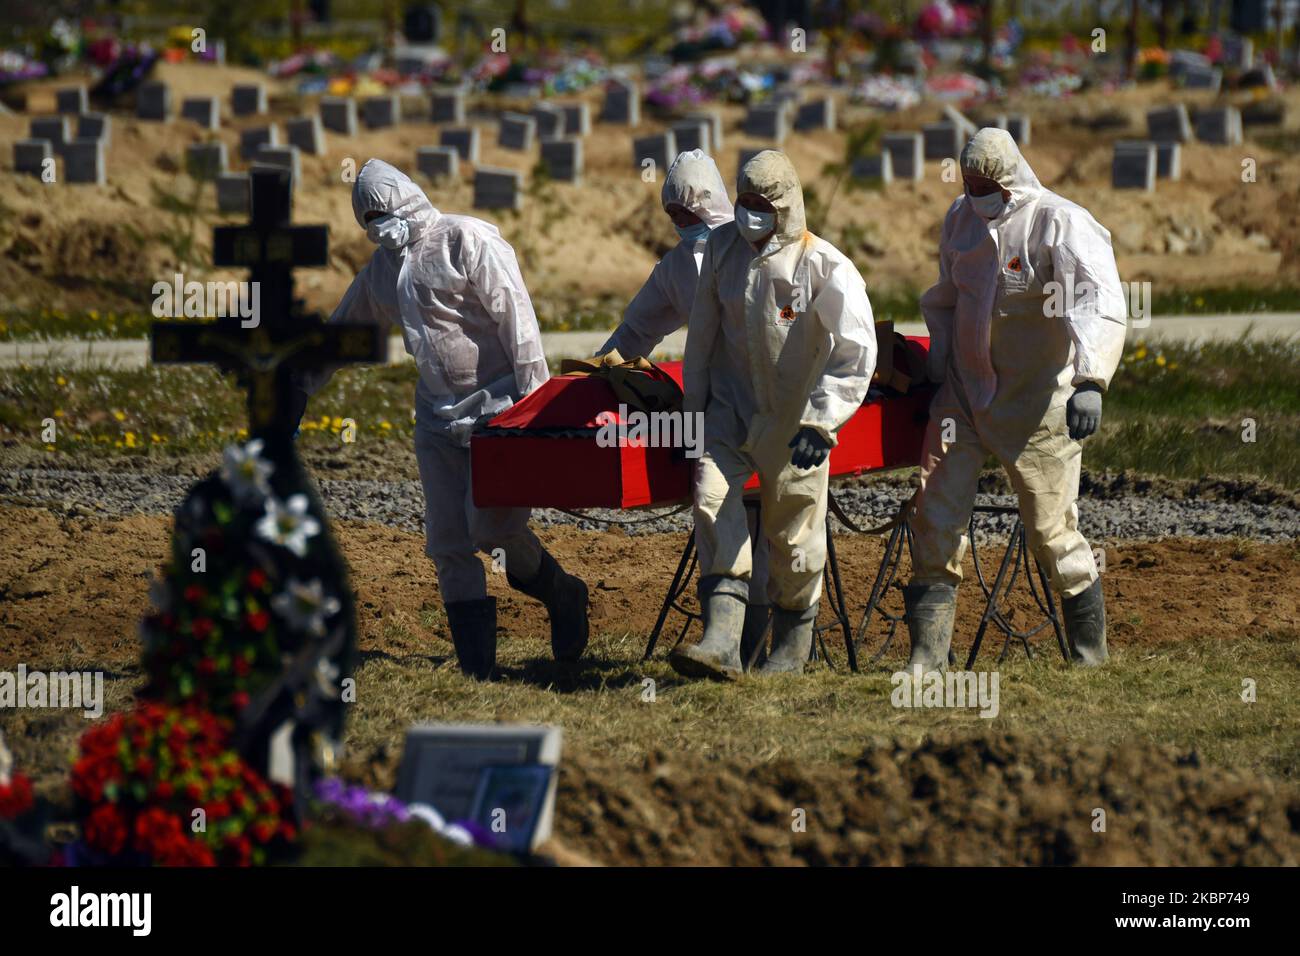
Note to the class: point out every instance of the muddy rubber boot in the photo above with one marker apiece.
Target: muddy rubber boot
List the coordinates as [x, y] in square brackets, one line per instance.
[474, 633]
[753, 646]
[717, 656]
[930, 610]
[1085, 626]
[565, 597]
[792, 637]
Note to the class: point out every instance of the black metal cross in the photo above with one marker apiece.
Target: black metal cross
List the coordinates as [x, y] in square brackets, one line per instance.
[280, 338]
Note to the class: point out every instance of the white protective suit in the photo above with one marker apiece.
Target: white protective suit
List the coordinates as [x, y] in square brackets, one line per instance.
[777, 340]
[456, 293]
[1008, 364]
[664, 303]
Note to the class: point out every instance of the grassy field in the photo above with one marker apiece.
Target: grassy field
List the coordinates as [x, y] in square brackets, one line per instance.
[1176, 411]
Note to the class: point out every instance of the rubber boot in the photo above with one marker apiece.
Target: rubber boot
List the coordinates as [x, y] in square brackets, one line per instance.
[718, 654]
[753, 643]
[930, 610]
[792, 637]
[565, 597]
[1085, 626]
[474, 634]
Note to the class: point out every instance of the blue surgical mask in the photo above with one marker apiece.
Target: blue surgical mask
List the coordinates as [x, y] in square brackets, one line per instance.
[754, 225]
[990, 206]
[389, 231]
[693, 234]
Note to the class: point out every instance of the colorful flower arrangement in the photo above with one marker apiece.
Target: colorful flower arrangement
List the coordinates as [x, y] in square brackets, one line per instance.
[143, 777]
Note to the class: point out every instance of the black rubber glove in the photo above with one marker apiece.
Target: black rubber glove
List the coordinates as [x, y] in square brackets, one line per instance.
[1083, 410]
[810, 448]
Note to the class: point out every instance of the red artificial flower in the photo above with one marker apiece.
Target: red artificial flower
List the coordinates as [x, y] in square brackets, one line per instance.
[164, 790]
[193, 791]
[241, 849]
[154, 828]
[194, 593]
[201, 627]
[257, 621]
[240, 699]
[15, 797]
[144, 765]
[242, 667]
[105, 829]
[257, 579]
[263, 832]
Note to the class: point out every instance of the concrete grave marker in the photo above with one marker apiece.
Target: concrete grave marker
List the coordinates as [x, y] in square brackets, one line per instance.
[71, 99]
[1220, 125]
[943, 140]
[51, 128]
[255, 137]
[714, 119]
[906, 155]
[307, 133]
[248, 99]
[767, 121]
[498, 188]
[1203, 78]
[95, 126]
[30, 155]
[1169, 124]
[1018, 127]
[205, 160]
[1238, 51]
[153, 101]
[339, 114]
[662, 149]
[232, 193]
[1133, 165]
[447, 106]
[437, 162]
[1169, 160]
[691, 134]
[204, 110]
[577, 119]
[286, 157]
[563, 159]
[452, 767]
[378, 112]
[516, 131]
[816, 114]
[463, 139]
[622, 103]
[876, 167]
[83, 162]
[549, 121]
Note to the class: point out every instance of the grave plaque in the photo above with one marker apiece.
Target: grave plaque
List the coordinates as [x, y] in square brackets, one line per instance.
[563, 159]
[1220, 126]
[153, 101]
[232, 193]
[307, 133]
[339, 113]
[205, 160]
[943, 140]
[577, 119]
[248, 99]
[1203, 78]
[437, 162]
[30, 155]
[549, 121]
[1169, 160]
[204, 110]
[285, 157]
[516, 131]
[878, 167]
[447, 106]
[83, 162]
[1133, 165]
[691, 134]
[1169, 124]
[660, 149]
[51, 128]
[622, 103]
[379, 112]
[71, 99]
[714, 119]
[906, 155]
[816, 114]
[498, 188]
[767, 121]
[254, 138]
[95, 126]
[444, 766]
[463, 139]
[1018, 127]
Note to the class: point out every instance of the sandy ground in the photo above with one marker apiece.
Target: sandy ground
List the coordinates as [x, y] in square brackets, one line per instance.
[66, 246]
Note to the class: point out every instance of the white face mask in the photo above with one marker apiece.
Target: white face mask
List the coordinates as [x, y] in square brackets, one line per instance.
[990, 206]
[754, 225]
[389, 231]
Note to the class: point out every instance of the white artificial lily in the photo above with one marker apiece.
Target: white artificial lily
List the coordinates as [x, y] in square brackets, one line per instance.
[288, 524]
[245, 471]
[305, 606]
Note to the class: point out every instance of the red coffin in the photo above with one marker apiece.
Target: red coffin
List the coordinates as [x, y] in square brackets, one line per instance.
[542, 453]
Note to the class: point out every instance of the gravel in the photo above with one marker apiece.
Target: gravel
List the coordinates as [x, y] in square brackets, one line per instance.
[400, 504]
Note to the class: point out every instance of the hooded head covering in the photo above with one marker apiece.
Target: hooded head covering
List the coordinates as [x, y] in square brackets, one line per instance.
[772, 176]
[694, 183]
[384, 188]
[992, 153]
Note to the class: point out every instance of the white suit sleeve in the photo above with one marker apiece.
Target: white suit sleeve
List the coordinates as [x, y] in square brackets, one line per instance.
[844, 311]
[357, 305]
[1083, 260]
[648, 319]
[939, 309]
[494, 275]
[701, 337]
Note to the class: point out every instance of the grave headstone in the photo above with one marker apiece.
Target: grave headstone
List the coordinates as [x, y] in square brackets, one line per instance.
[1169, 161]
[577, 119]
[71, 99]
[463, 139]
[248, 99]
[1203, 78]
[1018, 127]
[563, 159]
[875, 167]
[205, 160]
[660, 149]
[1170, 124]
[30, 155]
[1180, 61]
[906, 155]
[1263, 113]
[1238, 51]
[767, 121]
[516, 131]
[816, 114]
[691, 134]
[95, 126]
[437, 162]
[232, 193]
[204, 110]
[153, 101]
[307, 134]
[714, 119]
[622, 103]
[498, 188]
[339, 113]
[485, 773]
[1220, 125]
[378, 112]
[285, 157]
[549, 121]
[83, 162]
[943, 140]
[52, 128]
[1133, 165]
[447, 106]
[1261, 77]
[787, 98]
[255, 137]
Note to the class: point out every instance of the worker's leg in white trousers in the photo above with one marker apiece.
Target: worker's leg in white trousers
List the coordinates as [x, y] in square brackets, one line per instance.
[794, 524]
[721, 528]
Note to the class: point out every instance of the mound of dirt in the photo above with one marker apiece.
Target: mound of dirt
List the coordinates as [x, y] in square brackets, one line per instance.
[998, 800]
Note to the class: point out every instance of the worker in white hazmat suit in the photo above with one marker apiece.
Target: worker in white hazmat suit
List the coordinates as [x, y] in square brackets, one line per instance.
[780, 349]
[1027, 327]
[452, 285]
[695, 199]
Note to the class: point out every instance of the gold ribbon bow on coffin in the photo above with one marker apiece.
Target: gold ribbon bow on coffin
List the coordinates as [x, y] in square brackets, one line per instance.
[637, 382]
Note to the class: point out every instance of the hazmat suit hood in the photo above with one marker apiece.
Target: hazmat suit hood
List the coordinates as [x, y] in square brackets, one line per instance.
[381, 187]
[994, 154]
[694, 183]
[773, 176]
